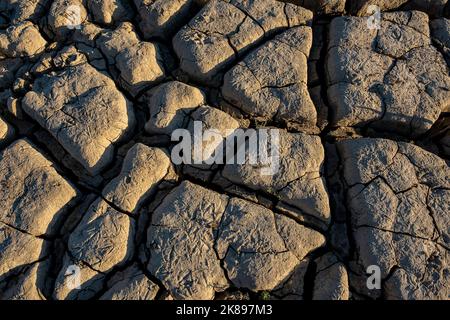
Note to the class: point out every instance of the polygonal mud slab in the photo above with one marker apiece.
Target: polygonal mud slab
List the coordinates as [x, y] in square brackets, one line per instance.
[130, 284]
[260, 249]
[66, 16]
[270, 84]
[84, 111]
[109, 12]
[162, 18]
[103, 240]
[139, 63]
[21, 40]
[19, 10]
[181, 242]
[296, 179]
[391, 79]
[224, 29]
[170, 105]
[33, 196]
[143, 169]
[331, 281]
[399, 200]
[26, 286]
[18, 249]
[214, 126]
[194, 228]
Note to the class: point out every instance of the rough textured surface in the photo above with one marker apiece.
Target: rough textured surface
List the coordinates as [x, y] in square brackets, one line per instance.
[322, 7]
[194, 229]
[21, 40]
[225, 29]
[169, 106]
[331, 281]
[393, 79]
[293, 288]
[102, 240]
[397, 220]
[33, 196]
[138, 62]
[271, 82]
[109, 11]
[131, 284]
[25, 286]
[65, 16]
[83, 110]
[210, 119]
[181, 240]
[118, 179]
[18, 10]
[143, 169]
[435, 8]
[261, 249]
[161, 18]
[6, 131]
[297, 182]
[18, 249]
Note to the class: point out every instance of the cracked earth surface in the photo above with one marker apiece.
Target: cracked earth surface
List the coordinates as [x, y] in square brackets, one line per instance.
[86, 177]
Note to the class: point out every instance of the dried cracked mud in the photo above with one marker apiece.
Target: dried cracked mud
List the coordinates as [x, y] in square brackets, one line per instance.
[89, 192]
